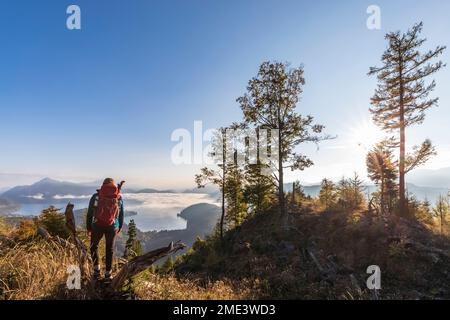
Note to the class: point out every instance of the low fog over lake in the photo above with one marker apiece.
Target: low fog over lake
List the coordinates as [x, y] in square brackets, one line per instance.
[156, 211]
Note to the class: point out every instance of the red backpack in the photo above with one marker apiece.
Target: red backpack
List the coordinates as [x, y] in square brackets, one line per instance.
[107, 205]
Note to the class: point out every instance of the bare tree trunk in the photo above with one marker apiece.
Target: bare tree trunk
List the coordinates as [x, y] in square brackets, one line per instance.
[281, 199]
[83, 255]
[382, 199]
[402, 198]
[293, 193]
[222, 217]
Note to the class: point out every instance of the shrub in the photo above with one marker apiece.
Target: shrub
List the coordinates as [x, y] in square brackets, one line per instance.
[26, 230]
[54, 222]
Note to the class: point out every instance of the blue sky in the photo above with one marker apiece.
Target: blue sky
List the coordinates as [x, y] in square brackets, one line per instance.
[104, 100]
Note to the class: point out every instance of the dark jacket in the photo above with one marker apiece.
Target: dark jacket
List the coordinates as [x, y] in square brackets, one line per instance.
[90, 221]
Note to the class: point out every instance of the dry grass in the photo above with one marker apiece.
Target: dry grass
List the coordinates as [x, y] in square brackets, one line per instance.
[4, 229]
[34, 270]
[169, 287]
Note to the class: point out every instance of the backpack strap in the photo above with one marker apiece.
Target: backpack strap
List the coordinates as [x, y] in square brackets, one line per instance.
[96, 201]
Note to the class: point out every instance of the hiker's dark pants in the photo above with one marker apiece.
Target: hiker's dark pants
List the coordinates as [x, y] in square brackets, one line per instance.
[96, 236]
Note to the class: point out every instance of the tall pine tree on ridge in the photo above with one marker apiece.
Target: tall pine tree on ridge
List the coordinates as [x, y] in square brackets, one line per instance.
[401, 98]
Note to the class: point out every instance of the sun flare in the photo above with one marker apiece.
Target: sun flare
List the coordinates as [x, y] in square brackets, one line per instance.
[365, 134]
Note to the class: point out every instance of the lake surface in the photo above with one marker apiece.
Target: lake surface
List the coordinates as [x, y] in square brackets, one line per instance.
[156, 211]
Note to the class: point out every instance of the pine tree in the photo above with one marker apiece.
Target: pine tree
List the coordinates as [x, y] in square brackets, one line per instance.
[401, 98]
[350, 193]
[133, 246]
[260, 186]
[270, 103]
[259, 189]
[167, 266]
[424, 212]
[381, 169]
[327, 194]
[356, 191]
[54, 222]
[218, 176]
[441, 212]
[234, 195]
[298, 193]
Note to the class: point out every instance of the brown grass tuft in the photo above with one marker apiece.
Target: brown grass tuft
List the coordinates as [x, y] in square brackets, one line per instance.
[34, 270]
[169, 287]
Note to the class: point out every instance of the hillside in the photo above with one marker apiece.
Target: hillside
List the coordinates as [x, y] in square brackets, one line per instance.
[325, 256]
[319, 255]
[201, 219]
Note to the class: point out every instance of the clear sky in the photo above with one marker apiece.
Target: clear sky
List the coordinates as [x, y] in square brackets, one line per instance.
[104, 100]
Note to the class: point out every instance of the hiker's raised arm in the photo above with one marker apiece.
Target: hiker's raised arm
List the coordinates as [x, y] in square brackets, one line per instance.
[121, 213]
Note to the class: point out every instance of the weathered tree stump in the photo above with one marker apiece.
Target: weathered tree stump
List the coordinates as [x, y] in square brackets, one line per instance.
[83, 255]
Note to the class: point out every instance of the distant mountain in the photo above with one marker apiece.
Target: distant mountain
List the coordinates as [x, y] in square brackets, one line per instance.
[209, 189]
[149, 190]
[55, 191]
[430, 178]
[47, 190]
[420, 192]
[9, 180]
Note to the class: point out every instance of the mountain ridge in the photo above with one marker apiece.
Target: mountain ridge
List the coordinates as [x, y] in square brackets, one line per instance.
[60, 191]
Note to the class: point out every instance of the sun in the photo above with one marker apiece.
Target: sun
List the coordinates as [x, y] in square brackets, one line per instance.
[365, 135]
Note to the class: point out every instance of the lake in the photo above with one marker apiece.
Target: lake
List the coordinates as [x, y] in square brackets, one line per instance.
[156, 211]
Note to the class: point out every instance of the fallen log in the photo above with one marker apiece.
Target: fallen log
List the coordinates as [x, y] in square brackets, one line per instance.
[143, 262]
[41, 231]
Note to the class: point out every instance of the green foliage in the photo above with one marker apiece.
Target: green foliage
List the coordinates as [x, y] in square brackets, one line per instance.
[216, 176]
[350, 193]
[234, 195]
[328, 194]
[442, 212]
[297, 196]
[382, 170]
[421, 210]
[259, 190]
[167, 266]
[198, 244]
[133, 246]
[54, 222]
[270, 102]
